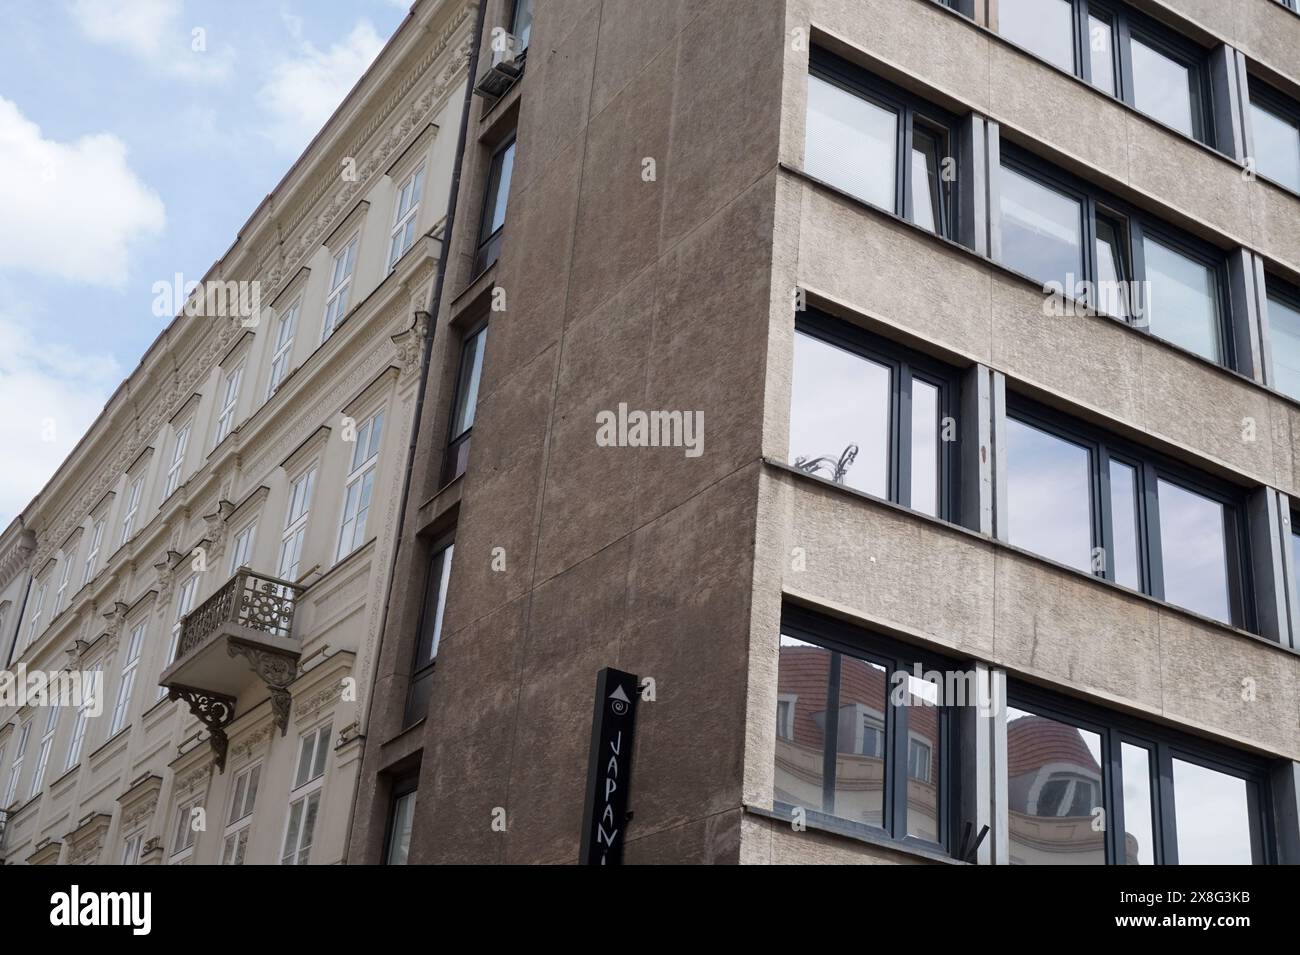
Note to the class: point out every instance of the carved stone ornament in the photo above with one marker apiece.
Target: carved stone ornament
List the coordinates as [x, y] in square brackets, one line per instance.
[277, 671]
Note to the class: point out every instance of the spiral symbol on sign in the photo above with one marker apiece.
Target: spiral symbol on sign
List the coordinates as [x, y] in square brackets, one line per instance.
[619, 707]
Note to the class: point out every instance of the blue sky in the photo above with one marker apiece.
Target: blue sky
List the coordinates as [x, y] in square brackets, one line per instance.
[136, 137]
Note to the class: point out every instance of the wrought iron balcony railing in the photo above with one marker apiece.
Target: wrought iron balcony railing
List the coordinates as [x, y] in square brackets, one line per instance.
[249, 600]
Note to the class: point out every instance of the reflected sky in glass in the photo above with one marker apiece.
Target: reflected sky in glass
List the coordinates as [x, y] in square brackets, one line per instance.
[1054, 784]
[1212, 816]
[1284, 330]
[840, 399]
[1045, 27]
[1041, 230]
[1161, 87]
[925, 447]
[1193, 549]
[925, 179]
[1139, 842]
[851, 143]
[1277, 147]
[1123, 519]
[1100, 51]
[1048, 495]
[1182, 308]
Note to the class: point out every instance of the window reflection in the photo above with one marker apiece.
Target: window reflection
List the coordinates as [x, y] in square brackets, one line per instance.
[1044, 27]
[1048, 495]
[1101, 56]
[1113, 273]
[1184, 304]
[1124, 520]
[922, 760]
[1041, 230]
[926, 186]
[1277, 147]
[802, 675]
[1054, 786]
[1139, 840]
[1212, 816]
[851, 143]
[860, 761]
[1193, 545]
[925, 447]
[1162, 88]
[1284, 333]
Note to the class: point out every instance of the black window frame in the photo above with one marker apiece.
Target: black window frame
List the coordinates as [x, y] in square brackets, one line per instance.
[488, 248]
[904, 365]
[839, 637]
[1125, 23]
[1273, 100]
[1288, 293]
[514, 24]
[1164, 745]
[1139, 224]
[421, 673]
[456, 456]
[404, 785]
[1149, 468]
[908, 108]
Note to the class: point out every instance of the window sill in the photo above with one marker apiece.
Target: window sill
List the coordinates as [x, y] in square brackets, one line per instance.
[818, 822]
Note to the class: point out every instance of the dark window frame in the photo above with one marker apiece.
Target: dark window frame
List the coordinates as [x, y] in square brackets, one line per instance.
[421, 673]
[488, 248]
[1150, 467]
[1163, 746]
[1276, 287]
[842, 638]
[908, 108]
[904, 365]
[455, 456]
[1137, 225]
[514, 24]
[403, 785]
[1273, 100]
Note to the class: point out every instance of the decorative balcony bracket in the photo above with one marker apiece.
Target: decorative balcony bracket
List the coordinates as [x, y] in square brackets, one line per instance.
[276, 670]
[214, 711]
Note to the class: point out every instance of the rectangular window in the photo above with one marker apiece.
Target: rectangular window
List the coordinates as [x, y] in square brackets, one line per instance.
[401, 818]
[126, 686]
[229, 401]
[186, 820]
[239, 818]
[283, 354]
[184, 604]
[1284, 336]
[295, 524]
[92, 555]
[405, 212]
[305, 797]
[47, 744]
[872, 416]
[79, 728]
[465, 404]
[1165, 799]
[497, 194]
[426, 650]
[34, 627]
[879, 143]
[336, 302]
[131, 848]
[1275, 125]
[860, 740]
[241, 552]
[521, 23]
[16, 770]
[132, 509]
[360, 485]
[1042, 228]
[61, 595]
[1102, 506]
[1122, 53]
[176, 467]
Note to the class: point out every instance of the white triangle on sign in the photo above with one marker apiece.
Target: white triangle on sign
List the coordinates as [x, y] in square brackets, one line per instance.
[618, 694]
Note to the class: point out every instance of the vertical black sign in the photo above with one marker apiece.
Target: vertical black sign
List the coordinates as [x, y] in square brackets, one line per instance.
[609, 768]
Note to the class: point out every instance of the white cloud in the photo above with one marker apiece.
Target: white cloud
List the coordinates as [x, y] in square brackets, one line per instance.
[71, 210]
[152, 31]
[49, 395]
[303, 92]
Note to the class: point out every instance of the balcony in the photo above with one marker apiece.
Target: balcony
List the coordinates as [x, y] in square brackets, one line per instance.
[240, 636]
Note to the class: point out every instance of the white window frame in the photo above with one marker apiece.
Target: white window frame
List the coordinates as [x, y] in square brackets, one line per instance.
[64, 577]
[16, 770]
[126, 685]
[79, 728]
[133, 494]
[284, 338]
[307, 793]
[293, 540]
[131, 847]
[359, 486]
[34, 621]
[184, 604]
[92, 555]
[785, 728]
[239, 818]
[342, 268]
[406, 210]
[47, 745]
[184, 834]
[241, 549]
[229, 402]
[176, 467]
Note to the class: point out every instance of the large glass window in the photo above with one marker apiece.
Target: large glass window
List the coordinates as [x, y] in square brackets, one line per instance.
[431, 614]
[1045, 27]
[1164, 87]
[340, 290]
[859, 738]
[851, 142]
[1183, 306]
[305, 797]
[1284, 336]
[1277, 139]
[1088, 787]
[405, 212]
[1042, 229]
[1103, 506]
[465, 405]
[500, 171]
[360, 485]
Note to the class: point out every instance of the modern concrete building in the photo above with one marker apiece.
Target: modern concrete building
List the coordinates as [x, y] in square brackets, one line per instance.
[988, 311]
[219, 543]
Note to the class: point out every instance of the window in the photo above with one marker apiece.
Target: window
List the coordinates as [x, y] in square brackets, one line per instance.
[60, 595]
[873, 416]
[405, 213]
[79, 727]
[1109, 256]
[400, 820]
[305, 797]
[131, 848]
[426, 650]
[336, 303]
[130, 664]
[494, 205]
[360, 485]
[184, 604]
[186, 820]
[92, 556]
[34, 621]
[283, 347]
[860, 741]
[1275, 125]
[1107, 508]
[521, 23]
[229, 400]
[465, 404]
[241, 553]
[1284, 336]
[16, 770]
[176, 467]
[132, 509]
[879, 143]
[47, 744]
[1087, 787]
[239, 819]
[1120, 52]
[295, 524]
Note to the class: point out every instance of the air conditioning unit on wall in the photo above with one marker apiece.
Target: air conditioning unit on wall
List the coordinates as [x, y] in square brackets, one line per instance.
[505, 64]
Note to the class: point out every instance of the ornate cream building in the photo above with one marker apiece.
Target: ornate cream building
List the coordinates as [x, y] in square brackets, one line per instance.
[219, 543]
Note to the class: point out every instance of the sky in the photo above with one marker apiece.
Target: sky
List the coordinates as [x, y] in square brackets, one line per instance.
[136, 137]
